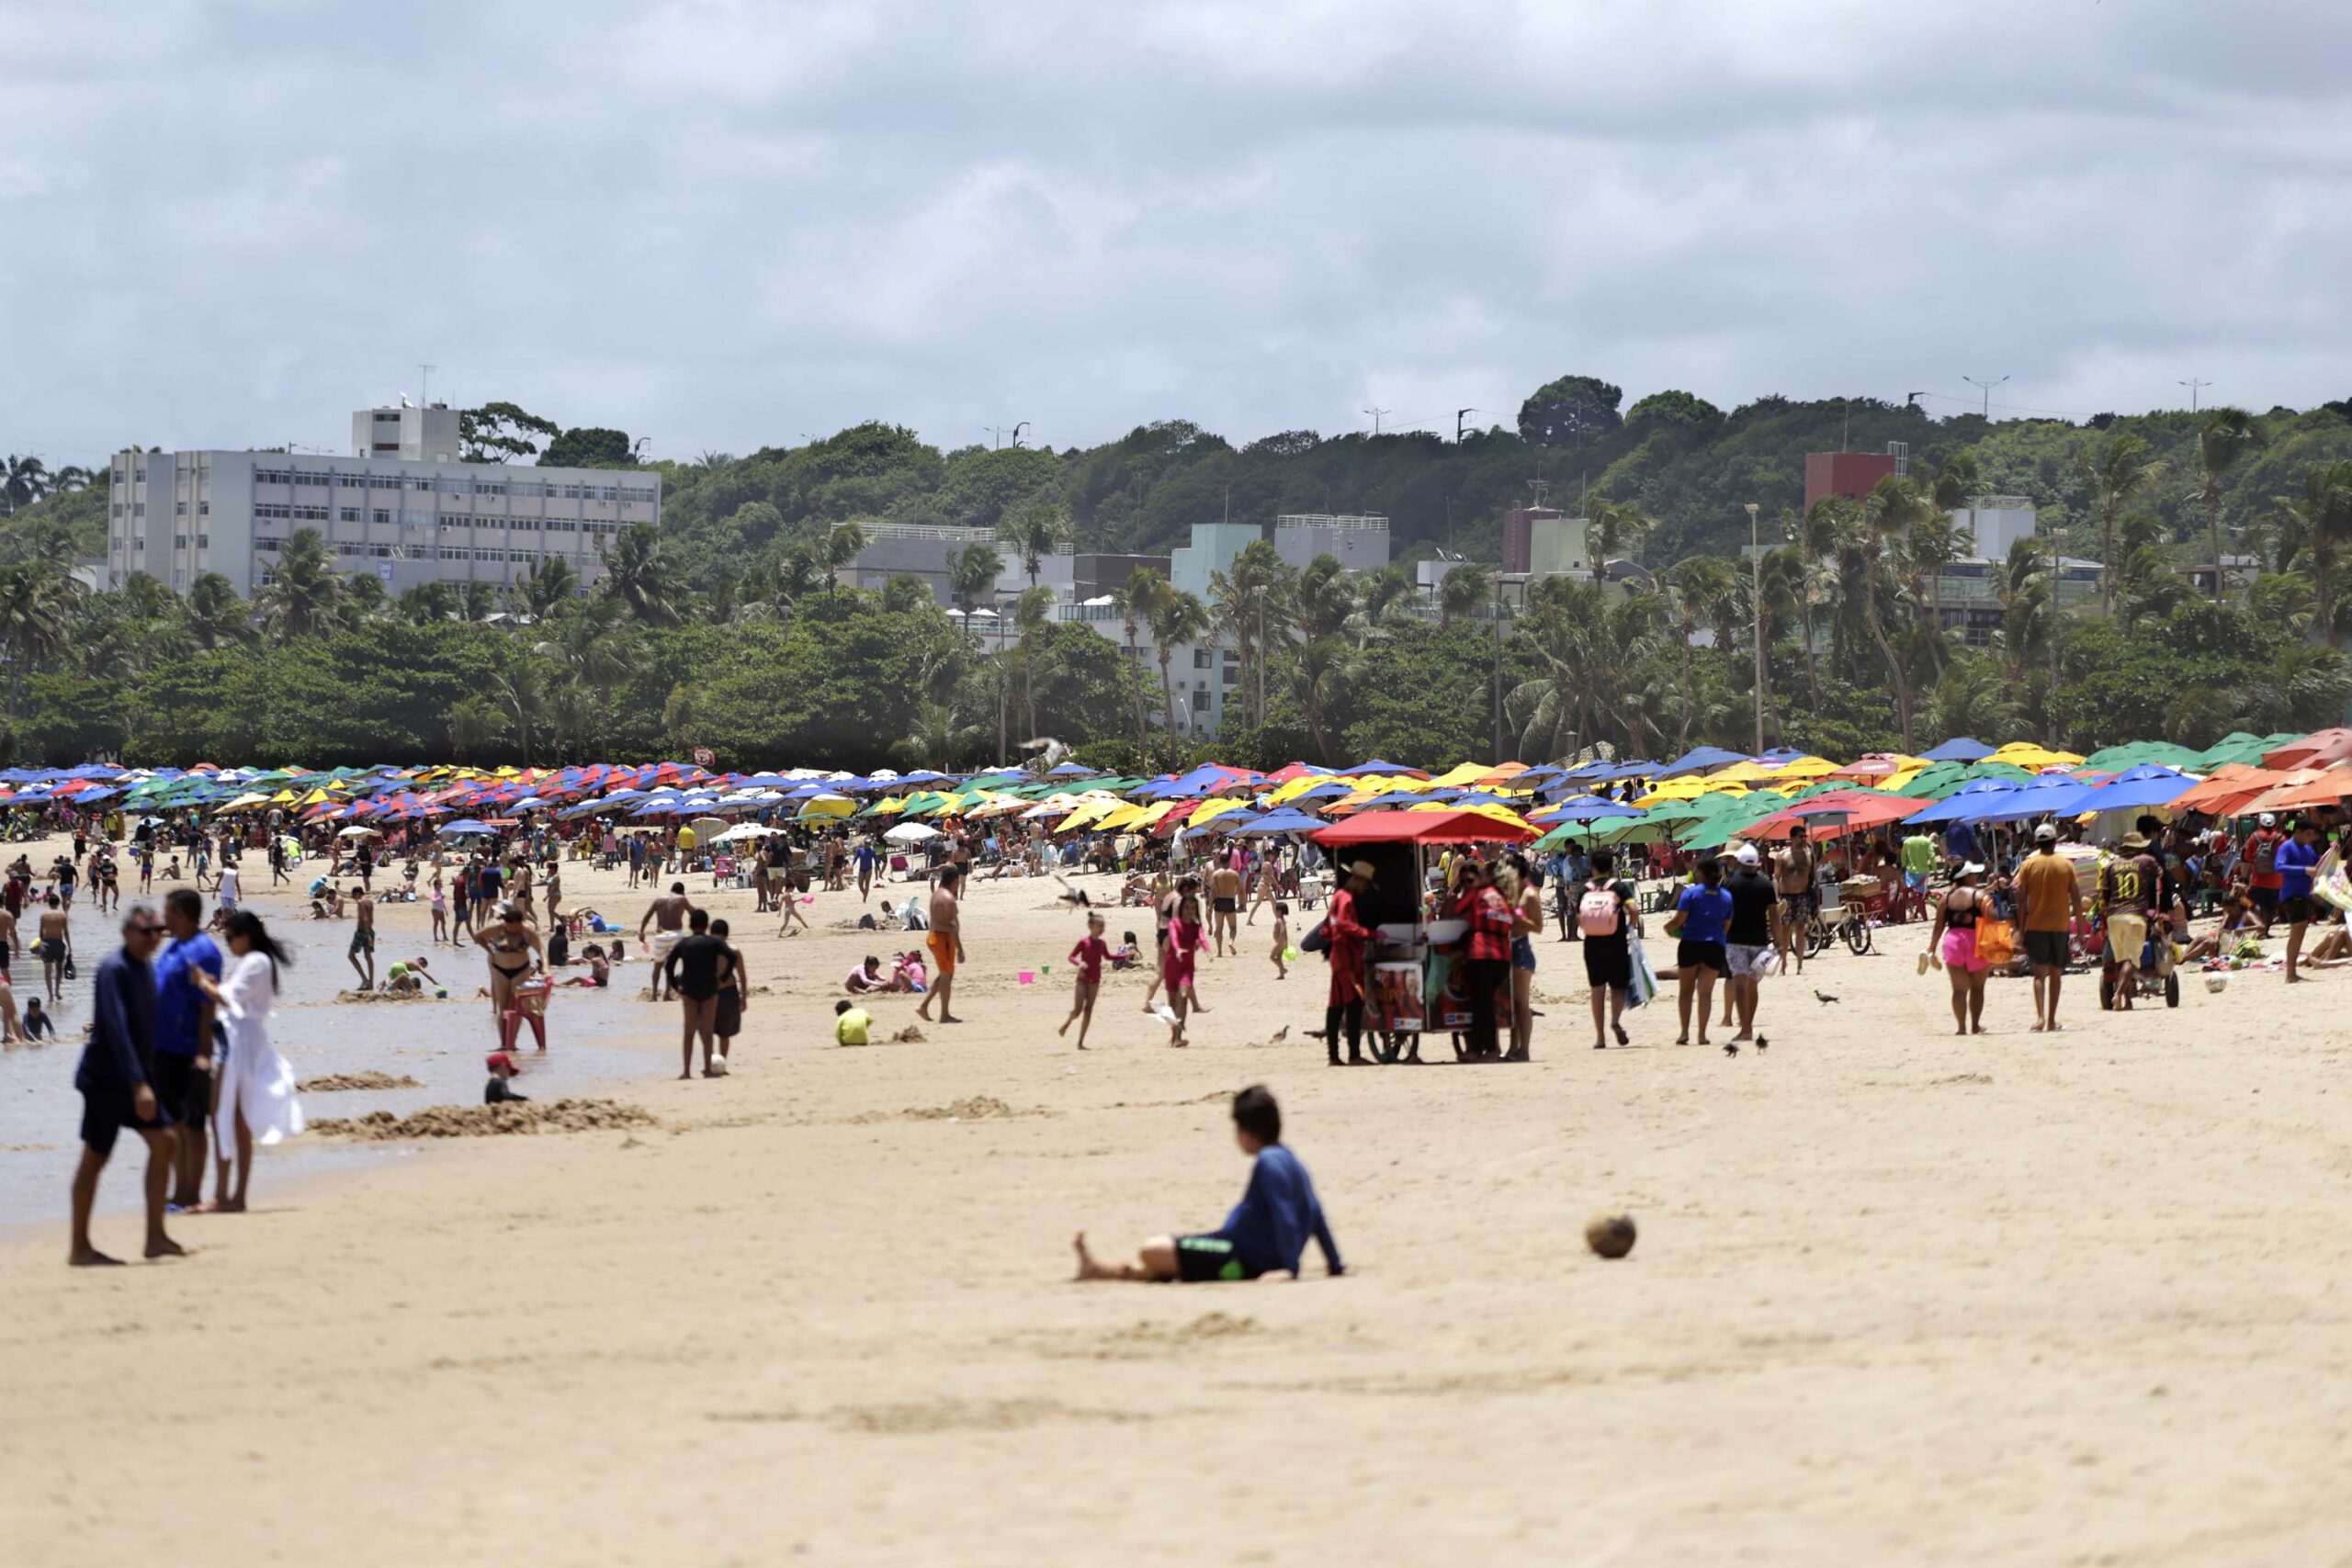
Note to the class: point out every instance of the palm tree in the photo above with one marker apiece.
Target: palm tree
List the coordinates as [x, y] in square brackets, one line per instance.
[1465, 589]
[638, 572]
[519, 684]
[2319, 524]
[1037, 531]
[37, 613]
[303, 599]
[938, 738]
[23, 480]
[1134, 599]
[2118, 470]
[214, 613]
[474, 722]
[972, 572]
[1322, 598]
[596, 652]
[364, 599]
[549, 584]
[71, 477]
[840, 549]
[1031, 613]
[2223, 442]
[1612, 526]
[1815, 536]
[1250, 600]
[478, 602]
[1317, 672]
[1176, 617]
[1382, 597]
[1890, 513]
[144, 598]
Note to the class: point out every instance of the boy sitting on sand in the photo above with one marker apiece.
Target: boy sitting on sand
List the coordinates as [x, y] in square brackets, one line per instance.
[1264, 1236]
[852, 1025]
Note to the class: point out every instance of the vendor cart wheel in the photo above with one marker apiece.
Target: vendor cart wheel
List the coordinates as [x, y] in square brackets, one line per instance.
[1857, 933]
[1817, 938]
[2172, 990]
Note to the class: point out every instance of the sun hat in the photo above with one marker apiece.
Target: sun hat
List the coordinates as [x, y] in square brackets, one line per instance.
[1972, 868]
[2133, 841]
[1361, 868]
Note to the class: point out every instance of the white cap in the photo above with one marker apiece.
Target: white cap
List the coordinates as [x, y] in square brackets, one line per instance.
[2046, 833]
[2269, 820]
[1746, 854]
[1973, 868]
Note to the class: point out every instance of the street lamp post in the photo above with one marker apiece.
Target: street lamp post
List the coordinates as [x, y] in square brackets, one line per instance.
[1756, 593]
[1499, 670]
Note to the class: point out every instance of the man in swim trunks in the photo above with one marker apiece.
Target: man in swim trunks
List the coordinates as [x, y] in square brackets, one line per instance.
[1793, 883]
[1224, 908]
[698, 967]
[667, 914]
[363, 938]
[56, 947]
[946, 942]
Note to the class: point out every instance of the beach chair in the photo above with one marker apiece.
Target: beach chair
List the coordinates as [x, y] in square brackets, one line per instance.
[527, 1005]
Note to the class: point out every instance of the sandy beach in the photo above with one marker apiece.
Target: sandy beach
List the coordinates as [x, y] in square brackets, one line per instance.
[1897, 1297]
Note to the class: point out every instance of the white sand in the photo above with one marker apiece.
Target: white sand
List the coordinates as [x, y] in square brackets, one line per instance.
[1897, 1298]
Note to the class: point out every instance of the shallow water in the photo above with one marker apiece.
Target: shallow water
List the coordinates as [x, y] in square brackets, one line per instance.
[440, 1043]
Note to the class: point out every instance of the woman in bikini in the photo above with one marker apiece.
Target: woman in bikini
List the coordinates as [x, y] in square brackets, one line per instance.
[513, 948]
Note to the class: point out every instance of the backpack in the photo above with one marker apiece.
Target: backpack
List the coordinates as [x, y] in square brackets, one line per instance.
[1597, 912]
[2266, 852]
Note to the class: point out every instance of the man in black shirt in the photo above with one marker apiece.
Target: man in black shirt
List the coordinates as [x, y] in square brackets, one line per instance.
[1750, 938]
[696, 969]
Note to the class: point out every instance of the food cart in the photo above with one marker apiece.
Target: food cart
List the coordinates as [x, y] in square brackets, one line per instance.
[1409, 980]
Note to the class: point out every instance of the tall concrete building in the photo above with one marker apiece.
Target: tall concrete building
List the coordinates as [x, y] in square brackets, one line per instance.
[1358, 544]
[402, 507]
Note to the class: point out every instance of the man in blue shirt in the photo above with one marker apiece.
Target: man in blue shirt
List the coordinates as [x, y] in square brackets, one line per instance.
[115, 1079]
[1960, 845]
[184, 1037]
[2295, 860]
[1268, 1231]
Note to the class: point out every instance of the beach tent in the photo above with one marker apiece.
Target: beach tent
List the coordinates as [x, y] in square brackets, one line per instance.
[1378, 769]
[1425, 828]
[1959, 749]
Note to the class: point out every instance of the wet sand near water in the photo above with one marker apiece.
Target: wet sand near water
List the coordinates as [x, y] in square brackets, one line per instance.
[1897, 1297]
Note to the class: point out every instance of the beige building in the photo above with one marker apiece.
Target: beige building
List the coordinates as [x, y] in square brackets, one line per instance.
[401, 508]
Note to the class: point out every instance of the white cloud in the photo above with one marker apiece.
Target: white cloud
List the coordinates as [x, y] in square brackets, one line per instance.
[725, 223]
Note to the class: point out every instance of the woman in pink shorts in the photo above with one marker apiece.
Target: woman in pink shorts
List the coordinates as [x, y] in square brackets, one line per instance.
[1953, 941]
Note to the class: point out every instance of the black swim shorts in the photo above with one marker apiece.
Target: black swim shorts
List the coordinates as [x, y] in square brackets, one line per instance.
[2046, 950]
[182, 1088]
[105, 1113]
[1200, 1259]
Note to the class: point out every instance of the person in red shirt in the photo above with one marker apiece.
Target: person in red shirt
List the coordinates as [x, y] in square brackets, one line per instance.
[2261, 860]
[1487, 957]
[1088, 955]
[1345, 939]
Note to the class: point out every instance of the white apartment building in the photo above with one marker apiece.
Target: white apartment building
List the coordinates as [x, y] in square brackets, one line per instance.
[402, 507]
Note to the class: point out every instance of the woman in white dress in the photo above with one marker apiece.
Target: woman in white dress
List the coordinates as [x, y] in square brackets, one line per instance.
[254, 1095]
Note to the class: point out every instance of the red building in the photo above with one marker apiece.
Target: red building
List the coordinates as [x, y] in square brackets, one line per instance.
[1850, 474]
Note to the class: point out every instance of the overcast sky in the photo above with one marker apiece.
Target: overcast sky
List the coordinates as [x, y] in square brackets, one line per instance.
[724, 224]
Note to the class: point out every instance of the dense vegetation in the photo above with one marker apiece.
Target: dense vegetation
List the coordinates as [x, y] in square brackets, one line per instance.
[723, 628]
